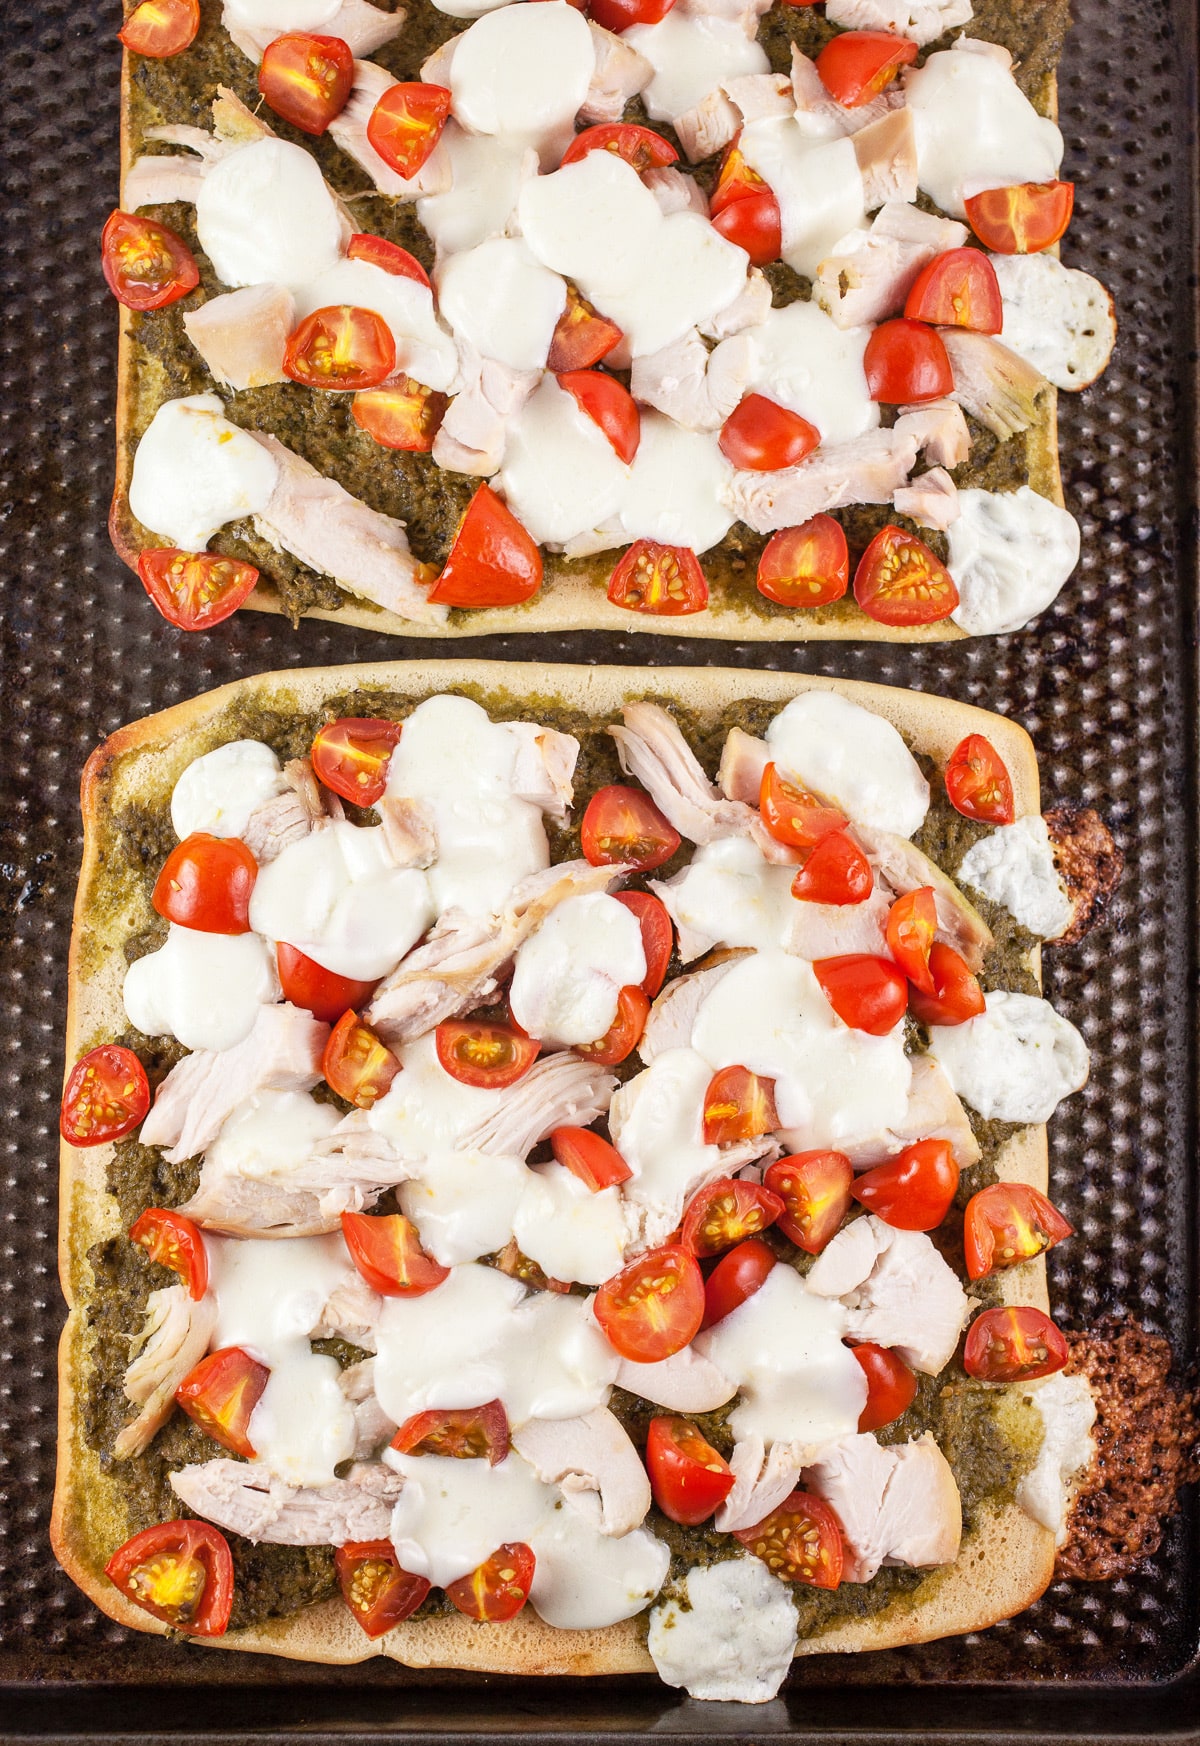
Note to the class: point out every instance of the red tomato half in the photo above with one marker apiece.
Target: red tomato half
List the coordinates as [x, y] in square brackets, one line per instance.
[404, 415]
[146, 265]
[388, 255]
[171, 1240]
[665, 580]
[609, 404]
[180, 1572]
[493, 561]
[220, 1395]
[815, 1190]
[867, 993]
[159, 29]
[891, 1386]
[206, 883]
[807, 565]
[956, 995]
[1013, 1345]
[378, 1592]
[978, 783]
[736, 180]
[1008, 1223]
[906, 361]
[581, 337]
[641, 148]
[653, 1307]
[911, 926]
[687, 1476]
[658, 936]
[356, 1064]
[800, 1541]
[487, 1055]
[914, 1190]
[1023, 220]
[194, 590]
[498, 1588]
[351, 756]
[857, 64]
[340, 348]
[957, 289]
[460, 1433]
[836, 871]
[623, 1035]
[322, 992]
[618, 15]
[753, 223]
[407, 123]
[387, 1252]
[763, 436]
[106, 1095]
[792, 814]
[623, 825]
[307, 79]
[726, 1212]
[737, 1275]
[738, 1105]
[596, 1163]
[900, 581]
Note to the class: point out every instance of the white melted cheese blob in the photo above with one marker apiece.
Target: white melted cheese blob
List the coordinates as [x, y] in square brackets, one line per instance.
[834, 1086]
[849, 755]
[975, 129]
[340, 899]
[1067, 1410]
[572, 968]
[270, 1135]
[205, 990]
[463, 1203]
[561, 477]
[522, 72]
[265, 216]
[799, 1383]
[572, 1234]
[800, 359]
[1014, 1062]
[657, 1124]
[585, 1580]
[817, 183]
[487, 174]
[728, 895]
[424, 350]
[502, 301]
[734, 1643]
[1014, 866]
[219, 790]
[269, 1299]
[677, 486]
[425, 1109]
[193, 471]
[1010, 553]
[691, 57]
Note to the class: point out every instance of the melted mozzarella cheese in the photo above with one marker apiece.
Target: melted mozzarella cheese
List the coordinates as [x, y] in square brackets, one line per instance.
[1067, 1410]
[657, 1124]
[270, 1134]
[848, 755]
[463, 1203]
[584, 1580]
[338, 896]
[1010, 553]
[691, 56]
[1014, 866]
[728, 895]
[975, 129]
[1016, 1061]
[689, 275]
[205, 990]
[572, 1234]
[570, 971]
[675, 487]
[452, 1514]
[219, 790]
[561, 477]
[424, 350]
[799, 358]
[735, 1640]
[426, 1109]
[265, 216]
[559, 1364]
[799, 1383]
[523, 72]
[817, 183]
[487, 175]
[193, 471]
[502, 301]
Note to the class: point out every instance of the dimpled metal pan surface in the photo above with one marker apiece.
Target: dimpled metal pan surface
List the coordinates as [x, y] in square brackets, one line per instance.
[1105, 683]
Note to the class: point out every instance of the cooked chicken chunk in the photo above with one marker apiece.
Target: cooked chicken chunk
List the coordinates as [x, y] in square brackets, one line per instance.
[897, 1289]
[652, 748]
[902, 867]
[898, 1505]
[620, 73]
[173, 1340]
[591, 1454]
[560, 1090]
[931, 499]
[991, 383]
[865, 470]
[686, 1382]
[303, 807]
[245, 1498]
[762, 1479]
[241, 334]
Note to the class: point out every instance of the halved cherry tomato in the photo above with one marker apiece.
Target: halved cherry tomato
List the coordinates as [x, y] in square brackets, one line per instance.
[737, 1276]
[906, 361]
[957, 289]
[340, 348]
[618, 15]
[377, 1590]
[609, 404]
[206, 883]
[596, 1163]
[911, 926]
[581, 337]
[836, 871]
[171, 1240]
[1007, 1223]
[956, 995]
[658, 936]
[356, 1064]
[726, 1212]
[145, 264]
[387, 1252]
[404, 415]
[493, 561]
[867, 993]
[857, 64]
[978, 783]
[738, 1105]
[160, 29]
[815, 1190]
[735, 180]
[666, 580]
[807, 565]
[1022, 220]
[487, 1055]
[498, 1589]
[106, 1095]
[792, 814]
[800, 1541]
[306, 79]
[653, 1307]
[351, 755]
[914, 1190]
[763, 436]
[687, 1476]
[407, 123]
[461, 1433]
[640, 147]
[322, 992]
[753, 223]
[389, 255]
[1013, 1345]
[623, 1035]
[623, 825]
[900, 581]
[220, 1395]
[891, 1386]
[180, 1572]
[194, 590]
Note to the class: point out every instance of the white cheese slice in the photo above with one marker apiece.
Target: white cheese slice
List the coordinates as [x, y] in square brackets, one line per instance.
[1058, 319]
[487, 174]
[817, 183]
[425, 1109]
[561, 477]
[220, 789]
[573, 1235]
[728, 895]
[975, 129]
[463, 1203]
[1014, 866]
[572, 968]
[676, 487]
[268, 1135]
[734, 1641]
[502, 300]
[522, 72]
[265, 216]
[205, 990]
[852, 757]
[585, 1580]
[424, 350]
[1016, 1061]
[1010, 553]
[1068, 1412]
[799, 358]
[193, 471]
[691, 56]
[657, 1125]
[688, 276]
[452, 1514]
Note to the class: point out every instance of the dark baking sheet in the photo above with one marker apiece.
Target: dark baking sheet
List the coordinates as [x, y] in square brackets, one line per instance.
[1106, 685]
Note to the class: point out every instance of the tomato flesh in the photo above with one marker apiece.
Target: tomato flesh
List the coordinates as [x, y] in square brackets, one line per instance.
[735, 180]
[738, 1105]
[405, 415]
[763, 436]
[753, 223]
[857, 64]
[658, 936]
[388, 255]
[493, 561]
[622, 826]
[911, 926]
[306, 79]
[499, 1587]
[206, 883]
[737, 1276]
[640, 147]
[1013, 1345]
[867, 993]
[900, 581]
[581, 337]
[180, 1572]
[488, 1055]
[387, 1252]
[891, 1386]
[726, 1212]
[220, 1395]
[956, 995]
[145, 264]
[173, 1241]
[957, 289]
[377, 1590]
[800, 1541]
[1022, 220]
[618, 15]
[623, 1035]
[322, 992]
[1007, 1223]
[905, 362]
[978, 783]
[836, 872]
[406, 124]
[460, 1433]
[688, 1478]
[106, 1095]
[356, 1064]
[654, 1307]
[914, 1190]
[815, 1190]
[610, 406]
[592, 1159]
[194, 590]
[351, 756]
[794, 816]
[807, 565]
[663, 580]
[340, 348]
[159, 29]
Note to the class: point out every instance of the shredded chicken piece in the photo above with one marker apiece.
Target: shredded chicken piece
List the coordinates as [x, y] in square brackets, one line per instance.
[620, 73]
[173, 1340]
[544, 767]
[902, 867]
[898, 1505]
[652, 748]
[870, 272]
[762, 1479]
[159, 179]
[921, 21]
[672, 1017]
[865, 470]
[372, 1426]
[940, 429]
[675, 191]
[351, 1312]
[886, 151]
[241, 335]
[748, 309]
[288, 818]
[991, 383]
[588, 1455]
[931, 499]
[471, 437]
[897, 1290]
[820, 115]
[696, 388]
[708, 127]
[245, 1498]
[560, 1090]
[687, 1382]
[361, 26]
[408, 831]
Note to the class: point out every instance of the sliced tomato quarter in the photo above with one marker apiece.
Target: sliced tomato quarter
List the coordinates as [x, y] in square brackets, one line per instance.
[172, 1240]
[792, 815]
[856, 65]
[899, 581]
[911, 926]
[658, 936]
[609, 404]
[106, 1095]
[387, 1251]
[498, 1588]
[867, 993]
[738, 1105]
[159, 29]
[815, 1190]
[146, 265]
[363, 246]
[807, 565]
[763, 436]
[665, 581]
[623, 1035]
[220, 1395]
[405, 415]
[493, 561]
[1022, 220]
[978, 783]
[322, 992]
[623, 826]
[195, 590]
[640, 147]
[590, 1157]
[654, 1307]
[688, 1478]
[357, 1064]
[460, 1433]
[800, 1541]
[306, 79]
[913, 1191]
[753, 223]
[891, 1386]
[737, 1276]
[581, 337]
[180, 1572]
[957, 289]
[341, 348]
[351, 756]
[618, 15]
[956, 995]
[906, 361]
[835, 872]
[1013, 1344]
[726, 1212]
[491, 1056]
[1007, 1223]
[379, 1592]
[735, 180]
[406, 124]
[206, 883]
